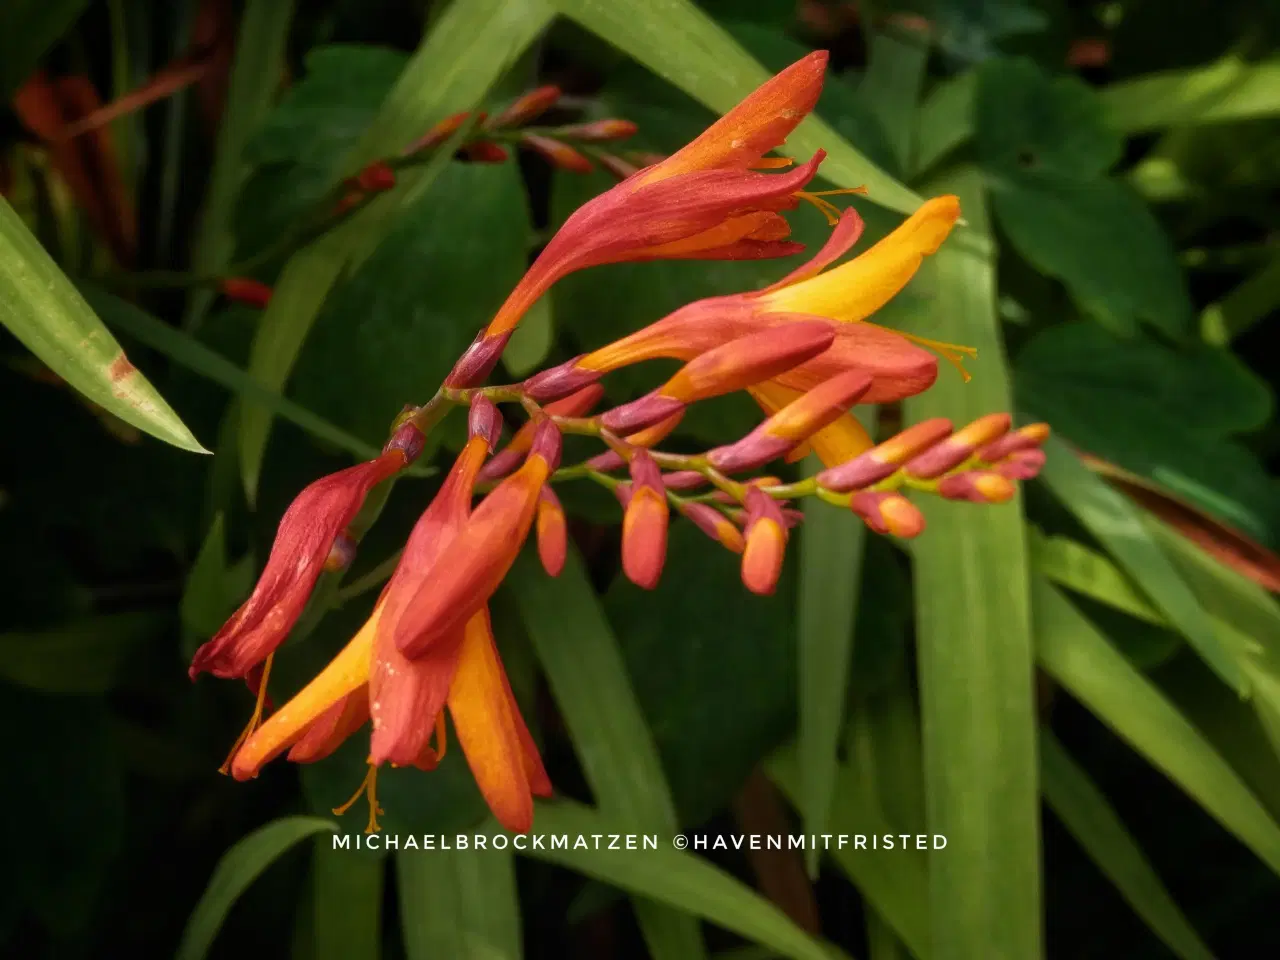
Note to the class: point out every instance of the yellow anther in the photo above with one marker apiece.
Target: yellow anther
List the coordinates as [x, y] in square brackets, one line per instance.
[254, 719]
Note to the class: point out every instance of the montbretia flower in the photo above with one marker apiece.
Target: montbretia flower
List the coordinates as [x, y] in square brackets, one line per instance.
[703, 202]
[842, 297]
[309, 531]
[372, 679]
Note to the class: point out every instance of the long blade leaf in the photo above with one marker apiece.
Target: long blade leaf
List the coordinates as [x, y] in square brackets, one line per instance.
[459, 904]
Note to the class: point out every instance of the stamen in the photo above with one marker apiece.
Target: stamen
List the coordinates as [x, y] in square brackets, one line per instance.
[860, 191]
[953, 353]
[368, 785]
[254, 719]
[828, 209]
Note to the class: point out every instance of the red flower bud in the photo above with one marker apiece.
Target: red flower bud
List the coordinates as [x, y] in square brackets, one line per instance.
[245, 290]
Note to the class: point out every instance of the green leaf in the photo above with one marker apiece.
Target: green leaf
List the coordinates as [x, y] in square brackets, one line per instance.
[1114, 521]
[214, 588]
[236, 871]
[1179, 410]
[393, 330]
[891, 88]
[1024, 118]
[1046, 146]
[945, 120]
[459, 904]
[831, 552]
[92, 655]
[973, 623]
[1076, 567]
[42, 309]
[347, 897]
[196, 357]
[670, 876]
[1231, 89]
[258, 62]
[589, 680]
[469, 47]
[1236, 313]
[28, 29]
[683, 45]
[713, 668]
[532, 342]
[895, 884]
[1078, 657]
[1080, 805]
[969, 31]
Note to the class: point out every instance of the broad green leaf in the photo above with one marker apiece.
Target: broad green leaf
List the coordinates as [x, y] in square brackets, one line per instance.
[895, 883]
[974, 644]
[831, 551]
[1231, 89]
[671, 876]
[469, 47]
[347, 897]
[891, 87]
[945, 120]
[196, 357]
[28, 28]
[236, 871]
[459, 904]
[391, 332]
[1081, 806]
[1180, 410]
[1046, 147]
[588, 678]
[92, 655]
[680, 43]
[258, 64]
[41, 308]
[969, 32]
[1076, 567]
[1079, 658]
[1115, 522]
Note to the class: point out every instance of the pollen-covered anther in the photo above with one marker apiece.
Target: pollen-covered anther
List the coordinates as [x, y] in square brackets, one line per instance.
[341, 554]
[765, 543]
[644, 524]
[977, 486]
[959, 447]
[552, 532]
[368, 787]
[881, 462]
[714, 524]
[561, 155]
[528, 106]
[888, 513]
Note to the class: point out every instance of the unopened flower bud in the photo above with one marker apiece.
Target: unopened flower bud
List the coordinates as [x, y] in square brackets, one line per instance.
[408, 439]
[1021, 464]
[884, 460]
[959, 447]
[376, 177]
[552, 532]
[644, 525]
[547, 444]
[765, 540]
[341, 554]
[527, 107]
[888, 513]
[714, 524]
[245, 290]
[622, 169]
[597, 130]
[1024, 438]
[485, 151]
[438, 134]
[559, 381]
[484, 420]
[560, 155]
[977, 486]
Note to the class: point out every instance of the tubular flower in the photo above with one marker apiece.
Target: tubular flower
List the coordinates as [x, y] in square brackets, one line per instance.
[472, 565]
[714, 524]
[406, 697]
[644, 524]
[307, 534]
[703, 202]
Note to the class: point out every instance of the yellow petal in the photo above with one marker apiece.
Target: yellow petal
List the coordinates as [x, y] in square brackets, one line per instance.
[858, 288]
[346, 673]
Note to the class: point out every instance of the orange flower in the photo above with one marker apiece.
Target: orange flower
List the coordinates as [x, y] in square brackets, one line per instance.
[703, 202]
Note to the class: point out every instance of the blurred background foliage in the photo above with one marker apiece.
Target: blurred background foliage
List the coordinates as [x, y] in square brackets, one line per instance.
[1081, 692]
